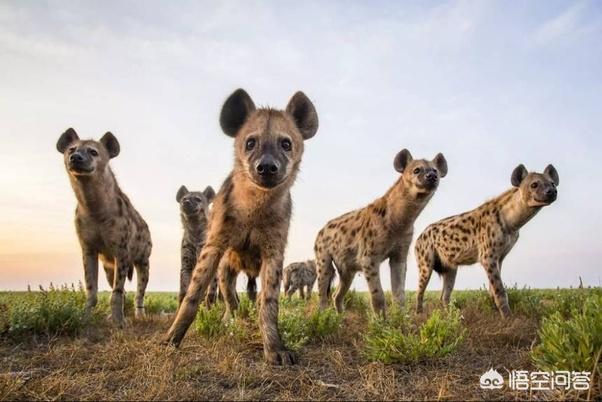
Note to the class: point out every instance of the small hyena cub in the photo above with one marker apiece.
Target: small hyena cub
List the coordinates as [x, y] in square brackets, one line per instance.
[251, 213]
[194, 212]
[485, 234]
[300, 276]
[360, 240]
[107, 224]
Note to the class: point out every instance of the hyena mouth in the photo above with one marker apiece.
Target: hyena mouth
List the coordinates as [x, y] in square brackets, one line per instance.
[79, 169]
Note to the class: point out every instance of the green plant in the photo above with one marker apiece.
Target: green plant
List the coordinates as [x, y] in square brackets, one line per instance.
[574, 343]
[49, 312]
[293, 328]
[355, 301]
[208, 322]
[396, 340]
[324, 323]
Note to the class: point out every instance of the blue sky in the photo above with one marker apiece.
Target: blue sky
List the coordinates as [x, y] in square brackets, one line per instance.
[489, 84]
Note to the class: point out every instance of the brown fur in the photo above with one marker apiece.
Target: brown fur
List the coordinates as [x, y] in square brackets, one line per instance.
[251, 213]
[360, 240]
[485, 234]
[107, 224]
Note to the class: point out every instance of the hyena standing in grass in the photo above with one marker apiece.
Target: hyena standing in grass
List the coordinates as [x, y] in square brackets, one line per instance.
[194, 213]
[251, 212]
[360, 240]
[485, 234]
[300, 276]
[107, 224]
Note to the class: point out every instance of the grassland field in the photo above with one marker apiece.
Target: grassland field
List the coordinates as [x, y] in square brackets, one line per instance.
[49, 349]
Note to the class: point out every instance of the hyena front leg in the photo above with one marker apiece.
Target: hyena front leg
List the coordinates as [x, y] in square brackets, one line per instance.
[91, 279]
[376, 291]
[500, 297]
[118, 295]
[204, 271]
[449, 279]
[142, 272]
[302, 292]
[310, 289]
[398, 264]
[273, 348]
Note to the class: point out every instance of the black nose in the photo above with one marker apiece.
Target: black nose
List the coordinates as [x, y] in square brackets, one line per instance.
[186, 202]
[267, 165]
[76, 158]
[551, 191]
[431, 176]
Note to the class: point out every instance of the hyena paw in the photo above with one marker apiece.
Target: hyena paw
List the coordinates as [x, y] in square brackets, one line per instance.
[140, 313]
[505, 312]
[281, 357]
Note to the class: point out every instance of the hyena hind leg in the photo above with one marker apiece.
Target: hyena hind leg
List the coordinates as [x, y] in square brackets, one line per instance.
[425, 270]
[449, 279]
[326, 274]
[142, 272]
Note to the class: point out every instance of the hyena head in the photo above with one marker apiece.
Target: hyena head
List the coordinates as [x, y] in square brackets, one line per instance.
[86, 157]
[420, 175]
[537, 189]
[195, 203]
[268, 143]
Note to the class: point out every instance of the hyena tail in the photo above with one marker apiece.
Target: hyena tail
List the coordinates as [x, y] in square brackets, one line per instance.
[438, 266]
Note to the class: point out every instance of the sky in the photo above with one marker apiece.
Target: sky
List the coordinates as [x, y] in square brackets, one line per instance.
[489, 84]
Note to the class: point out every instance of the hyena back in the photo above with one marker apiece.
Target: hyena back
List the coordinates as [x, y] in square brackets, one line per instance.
[360, 240]
[300, 276]
[251, 212]
[485, 234]
[106, 222]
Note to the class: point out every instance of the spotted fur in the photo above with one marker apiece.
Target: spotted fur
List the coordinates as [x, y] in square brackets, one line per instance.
[300, 276]
[485, 234]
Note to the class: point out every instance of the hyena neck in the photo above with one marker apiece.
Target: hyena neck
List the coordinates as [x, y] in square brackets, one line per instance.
[96, 194]
[252, 200]
[514, 210]
[403, 205]
[194, 226]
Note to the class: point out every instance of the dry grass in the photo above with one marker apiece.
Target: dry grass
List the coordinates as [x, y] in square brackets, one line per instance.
[107, 364]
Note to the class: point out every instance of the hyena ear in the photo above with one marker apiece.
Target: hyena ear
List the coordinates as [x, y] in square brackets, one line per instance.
[209, 193]
[552, 173]
[66, 139]
[402, 159]
[111, 144]
[441, 164]
[518, 175]
[181, 193]
[304, 114]
[235, 112]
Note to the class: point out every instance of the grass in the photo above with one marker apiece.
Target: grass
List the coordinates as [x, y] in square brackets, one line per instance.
[50, 350]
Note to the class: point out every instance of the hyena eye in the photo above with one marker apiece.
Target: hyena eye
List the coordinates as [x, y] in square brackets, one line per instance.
[417, 170]
[250, 144]
[93, 152]
[286, 144]
[534, 184]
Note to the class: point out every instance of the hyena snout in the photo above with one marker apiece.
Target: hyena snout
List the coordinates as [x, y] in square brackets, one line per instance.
[80, 162]
[431, 177]
[267, 166]
[268, 171]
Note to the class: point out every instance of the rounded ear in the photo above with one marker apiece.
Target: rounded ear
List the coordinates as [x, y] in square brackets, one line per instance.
[111, 144]
[235, 112]
[181, 193]
[66, 139]
[441, 164]
[209, 193]
[518, 175]
[402, 159]
[304, 114]
[552, 173]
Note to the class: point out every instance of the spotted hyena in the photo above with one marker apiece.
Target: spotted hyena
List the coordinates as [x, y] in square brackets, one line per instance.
[360, 240]
[194, 213]
[300, 276]
[485, 234]
[106, 222]
[251, 212]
